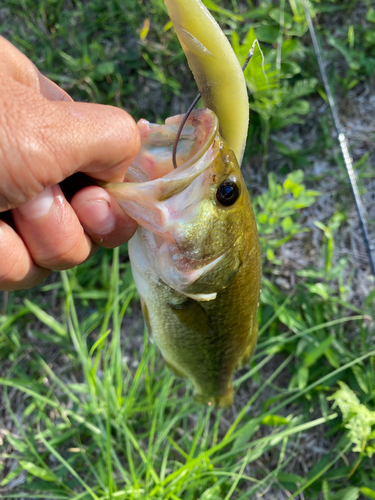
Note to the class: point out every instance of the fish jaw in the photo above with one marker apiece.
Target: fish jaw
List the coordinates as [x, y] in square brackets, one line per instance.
[154, 157]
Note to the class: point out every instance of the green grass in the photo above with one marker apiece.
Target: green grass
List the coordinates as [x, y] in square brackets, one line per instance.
[89, 409]
[106, 428]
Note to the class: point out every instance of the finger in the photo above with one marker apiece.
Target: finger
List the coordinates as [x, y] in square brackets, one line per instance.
[20, 68]
[108, 144]
[51, 231]
[102, 218]
[46, 137]
[17, 269]
[44, 142]
[51, 91]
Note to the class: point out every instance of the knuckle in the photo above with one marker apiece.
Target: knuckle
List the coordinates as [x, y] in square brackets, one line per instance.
[17, 271]
[22, 153]
[29, 144]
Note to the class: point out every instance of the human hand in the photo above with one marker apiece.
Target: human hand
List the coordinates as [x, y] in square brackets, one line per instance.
[45, 137]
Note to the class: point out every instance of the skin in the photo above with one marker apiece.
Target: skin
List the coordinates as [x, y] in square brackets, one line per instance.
[45, 137]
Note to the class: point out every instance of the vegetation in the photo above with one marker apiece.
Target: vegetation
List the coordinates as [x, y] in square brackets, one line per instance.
[89, 409]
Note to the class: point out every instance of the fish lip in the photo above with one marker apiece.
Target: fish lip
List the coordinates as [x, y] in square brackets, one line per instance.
[178, 179]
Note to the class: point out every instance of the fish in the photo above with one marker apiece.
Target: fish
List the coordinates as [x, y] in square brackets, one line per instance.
[195, 256]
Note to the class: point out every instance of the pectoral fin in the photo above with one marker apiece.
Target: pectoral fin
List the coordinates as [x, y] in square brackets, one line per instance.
[146, 318]
[191, 314]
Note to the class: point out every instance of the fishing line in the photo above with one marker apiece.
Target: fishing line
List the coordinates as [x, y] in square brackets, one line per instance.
[178, 135]
[177, 138]
[344, 145]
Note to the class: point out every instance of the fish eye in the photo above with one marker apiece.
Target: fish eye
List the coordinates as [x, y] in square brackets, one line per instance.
[227, 193]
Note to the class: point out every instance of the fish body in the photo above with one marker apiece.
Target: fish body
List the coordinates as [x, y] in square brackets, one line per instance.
[195, 256]
[195, 259]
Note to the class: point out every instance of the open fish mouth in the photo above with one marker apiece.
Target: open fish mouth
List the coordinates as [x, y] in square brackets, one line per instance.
[154, 157]
[151, 179]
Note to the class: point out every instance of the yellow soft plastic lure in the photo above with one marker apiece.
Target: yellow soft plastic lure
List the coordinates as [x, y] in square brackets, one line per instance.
[215, 68]
[195, 256]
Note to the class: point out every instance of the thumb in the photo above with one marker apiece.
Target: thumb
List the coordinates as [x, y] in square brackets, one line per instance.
[102, 140]
[44, 141]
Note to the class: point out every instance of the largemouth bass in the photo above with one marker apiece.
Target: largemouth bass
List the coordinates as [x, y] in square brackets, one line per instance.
[195, 256]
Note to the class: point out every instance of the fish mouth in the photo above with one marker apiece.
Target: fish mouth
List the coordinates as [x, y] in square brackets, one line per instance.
[155, 155]
[143, 201]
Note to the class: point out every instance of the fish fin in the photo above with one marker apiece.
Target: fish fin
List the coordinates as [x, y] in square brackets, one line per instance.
[223, 401]
[191, 314]
[146, 318]
[200, 399]
[250, 348]
[174, 369]
[226, 400]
